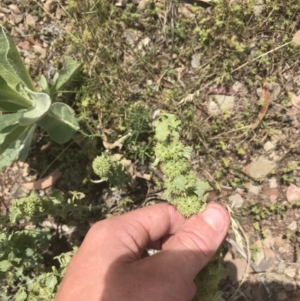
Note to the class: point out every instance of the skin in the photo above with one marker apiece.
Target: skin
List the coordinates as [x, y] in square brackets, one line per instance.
[109, 264]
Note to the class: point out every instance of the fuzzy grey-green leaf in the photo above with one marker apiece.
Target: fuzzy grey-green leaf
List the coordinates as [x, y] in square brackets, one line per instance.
[60, 122]
[66, 75]
[11, 100]
[12, 68]
[42, 103]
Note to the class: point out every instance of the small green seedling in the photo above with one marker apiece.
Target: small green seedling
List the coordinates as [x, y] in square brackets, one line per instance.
[23, 108]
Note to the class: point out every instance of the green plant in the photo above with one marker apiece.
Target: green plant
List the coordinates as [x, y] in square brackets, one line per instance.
[137, 124]
[183, 188]
[208, 279]
[23, 108]
[254, 251]
[22, 271]
[111, 170]
[29, 269]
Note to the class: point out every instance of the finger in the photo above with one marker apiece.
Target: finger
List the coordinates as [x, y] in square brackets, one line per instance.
[128, 235]
[191, 248]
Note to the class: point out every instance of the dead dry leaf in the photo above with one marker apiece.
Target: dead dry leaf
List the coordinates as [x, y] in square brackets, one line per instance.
[265, 96]
[45, 182]
[14, 8]
[130, 168]
[16, 18]
[30, 20]
[119, 143]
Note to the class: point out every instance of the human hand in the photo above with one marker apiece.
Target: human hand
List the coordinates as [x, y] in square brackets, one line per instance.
[109, 265]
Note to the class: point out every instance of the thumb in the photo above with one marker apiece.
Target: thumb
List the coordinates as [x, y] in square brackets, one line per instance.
[192, 247]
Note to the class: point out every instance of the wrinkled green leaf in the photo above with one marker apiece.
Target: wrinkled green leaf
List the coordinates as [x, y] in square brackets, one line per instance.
[5, 265]
[66, 75]
[51, 281]
[11, 100]
[42, 104]
[180, 182]
[21, 295]
[201, 187]
[12, 68]
[60, 122]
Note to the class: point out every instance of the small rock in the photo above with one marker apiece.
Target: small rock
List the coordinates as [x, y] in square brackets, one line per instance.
[27, 61]
[237, 86]
[2, 15]
[269, 253]
[130, 37]
[143, 43]
[281, 250]
[40, 50]
[293, 194]
[236, 200]
[195, 63]
[271, 193]
[292, 226]
[290, 272]
[258, 9]
[273, 183]
[24, 45]
[259, 167]
[269, 145]
[218, 104]
[266, 264]
[121, 3]
[254, 189]
[142, 4]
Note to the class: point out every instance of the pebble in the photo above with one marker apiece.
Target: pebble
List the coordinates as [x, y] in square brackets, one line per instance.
[266, 264]
[254, 189]
[236, 200]
[268, 146]
[292, 226]
[273, 183]
[218, 104]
